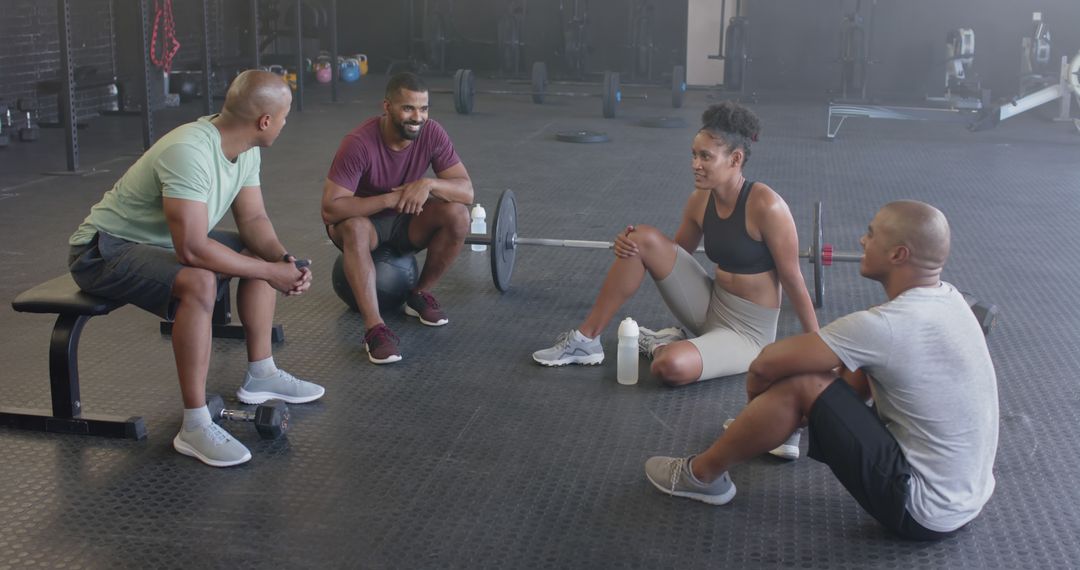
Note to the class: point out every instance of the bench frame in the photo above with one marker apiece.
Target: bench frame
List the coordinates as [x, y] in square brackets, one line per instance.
[67, 416]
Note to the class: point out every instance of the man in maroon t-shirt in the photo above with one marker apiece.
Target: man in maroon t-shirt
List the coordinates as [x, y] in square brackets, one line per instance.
[376, 194]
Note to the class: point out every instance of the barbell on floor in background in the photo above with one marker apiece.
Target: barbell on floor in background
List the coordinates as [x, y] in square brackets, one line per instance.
[464, 90]
[503, 242]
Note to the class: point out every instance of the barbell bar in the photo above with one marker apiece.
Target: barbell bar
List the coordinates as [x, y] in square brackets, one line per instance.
[503, 241]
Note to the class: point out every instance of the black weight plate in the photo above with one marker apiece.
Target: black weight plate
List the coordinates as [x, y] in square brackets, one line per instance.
[678, 86]
[459, 93]
[815, 258]
[469, 84]
[539, 81]
[503, 234]
[581, 136]
[464, 89]
[663, 122]
[612, 95]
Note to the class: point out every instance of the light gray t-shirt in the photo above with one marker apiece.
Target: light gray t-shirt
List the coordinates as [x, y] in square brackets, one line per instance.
[936, 391]
[187, 163]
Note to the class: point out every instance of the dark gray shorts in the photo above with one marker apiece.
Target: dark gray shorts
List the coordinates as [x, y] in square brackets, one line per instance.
[392, 230]
[136, 273]
[850, 438]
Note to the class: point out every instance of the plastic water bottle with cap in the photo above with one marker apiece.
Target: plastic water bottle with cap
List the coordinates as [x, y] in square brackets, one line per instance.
[479, 225]
[627, 356]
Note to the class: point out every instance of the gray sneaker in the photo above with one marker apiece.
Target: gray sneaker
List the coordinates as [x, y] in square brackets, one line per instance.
[672, 475]
[787, 450]
[569, 350]
[212, 445]
[281, 386]
[649, 340]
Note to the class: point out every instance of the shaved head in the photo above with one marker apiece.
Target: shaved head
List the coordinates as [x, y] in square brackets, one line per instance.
[920, 227]
[255, 93]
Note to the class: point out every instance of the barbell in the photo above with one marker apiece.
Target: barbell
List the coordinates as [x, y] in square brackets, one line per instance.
[464, 90]
[503, 241]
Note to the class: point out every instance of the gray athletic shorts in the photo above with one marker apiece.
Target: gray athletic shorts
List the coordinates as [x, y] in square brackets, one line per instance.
[730, 330]
[136, 273]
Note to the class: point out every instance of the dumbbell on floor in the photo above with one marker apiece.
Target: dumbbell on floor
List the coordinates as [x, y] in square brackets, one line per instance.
[28, 132]
[271, 418]
[5, 125]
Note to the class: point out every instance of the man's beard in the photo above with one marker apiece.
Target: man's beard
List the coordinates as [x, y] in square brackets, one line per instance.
[407, 134]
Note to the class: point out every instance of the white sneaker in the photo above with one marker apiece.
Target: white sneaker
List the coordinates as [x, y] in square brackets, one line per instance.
[569, 349]
[280, 386]
[212, 445]
[787, 450]
[649, 340]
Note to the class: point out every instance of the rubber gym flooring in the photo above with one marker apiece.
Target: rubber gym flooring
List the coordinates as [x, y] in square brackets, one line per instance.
[467, 454]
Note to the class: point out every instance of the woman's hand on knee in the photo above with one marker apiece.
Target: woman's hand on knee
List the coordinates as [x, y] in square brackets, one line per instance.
[624, 246]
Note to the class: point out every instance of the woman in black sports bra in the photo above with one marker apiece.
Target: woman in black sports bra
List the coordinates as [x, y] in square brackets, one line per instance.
[727, 315]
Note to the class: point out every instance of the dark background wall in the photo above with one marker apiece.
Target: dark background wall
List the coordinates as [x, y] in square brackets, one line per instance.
[30, 51]
[795, 44]
[381, 30]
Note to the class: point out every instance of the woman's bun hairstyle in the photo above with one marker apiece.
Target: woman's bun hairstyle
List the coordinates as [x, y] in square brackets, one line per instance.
[733, 125]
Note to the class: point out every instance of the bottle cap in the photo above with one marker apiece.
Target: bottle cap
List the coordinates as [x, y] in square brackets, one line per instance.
[628, 327]
[478, 211]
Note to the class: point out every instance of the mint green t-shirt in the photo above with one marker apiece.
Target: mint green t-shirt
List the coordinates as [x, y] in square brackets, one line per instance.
[187, 164]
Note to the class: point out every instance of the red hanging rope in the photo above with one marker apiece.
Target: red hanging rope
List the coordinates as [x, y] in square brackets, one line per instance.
[163, 19]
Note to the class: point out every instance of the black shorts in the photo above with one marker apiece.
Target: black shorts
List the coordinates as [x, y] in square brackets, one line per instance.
[849, 437]
[392, 230]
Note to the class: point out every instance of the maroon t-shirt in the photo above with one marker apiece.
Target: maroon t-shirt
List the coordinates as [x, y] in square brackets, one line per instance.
[364, 163]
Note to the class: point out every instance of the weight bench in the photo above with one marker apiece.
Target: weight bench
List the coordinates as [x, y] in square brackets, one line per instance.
[74, 308]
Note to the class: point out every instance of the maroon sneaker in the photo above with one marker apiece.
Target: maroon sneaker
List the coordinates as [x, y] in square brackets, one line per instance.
[423, 305]
[382, 345]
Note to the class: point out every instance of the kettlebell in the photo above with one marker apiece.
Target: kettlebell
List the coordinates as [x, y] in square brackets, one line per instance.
[323, 72]
[362, 59]
[350, 70]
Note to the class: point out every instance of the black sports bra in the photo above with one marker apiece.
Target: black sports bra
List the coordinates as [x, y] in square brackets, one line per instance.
[728, 245]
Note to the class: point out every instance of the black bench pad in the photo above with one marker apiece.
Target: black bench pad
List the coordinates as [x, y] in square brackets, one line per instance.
[62, 295]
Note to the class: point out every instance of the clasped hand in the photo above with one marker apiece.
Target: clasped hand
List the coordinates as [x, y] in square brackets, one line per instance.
[291, 277]
[411, 197]
[624, 246]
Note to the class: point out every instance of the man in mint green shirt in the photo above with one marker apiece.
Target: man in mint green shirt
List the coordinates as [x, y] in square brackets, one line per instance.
[150, 242]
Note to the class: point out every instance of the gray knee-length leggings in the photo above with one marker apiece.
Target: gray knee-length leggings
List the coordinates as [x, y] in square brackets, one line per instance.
[730, 330]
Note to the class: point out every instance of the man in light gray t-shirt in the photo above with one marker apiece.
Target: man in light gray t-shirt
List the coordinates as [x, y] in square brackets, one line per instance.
[923, 464]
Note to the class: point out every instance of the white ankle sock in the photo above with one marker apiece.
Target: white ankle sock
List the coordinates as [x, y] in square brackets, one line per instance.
[264, 368]
[196, 418]
[581, 338]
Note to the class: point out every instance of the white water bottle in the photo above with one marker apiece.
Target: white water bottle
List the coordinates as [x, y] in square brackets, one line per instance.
[479, 225]
[627, 356]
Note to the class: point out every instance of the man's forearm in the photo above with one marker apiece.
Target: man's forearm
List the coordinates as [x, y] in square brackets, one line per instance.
[458, 190]
[260, 239]
[756, 384]
[214, 256]
[347, 207]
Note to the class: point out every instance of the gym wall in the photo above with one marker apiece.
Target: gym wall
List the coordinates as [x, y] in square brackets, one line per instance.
[30, 52]
[30, 47]
[795, 44]
[381, 30]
